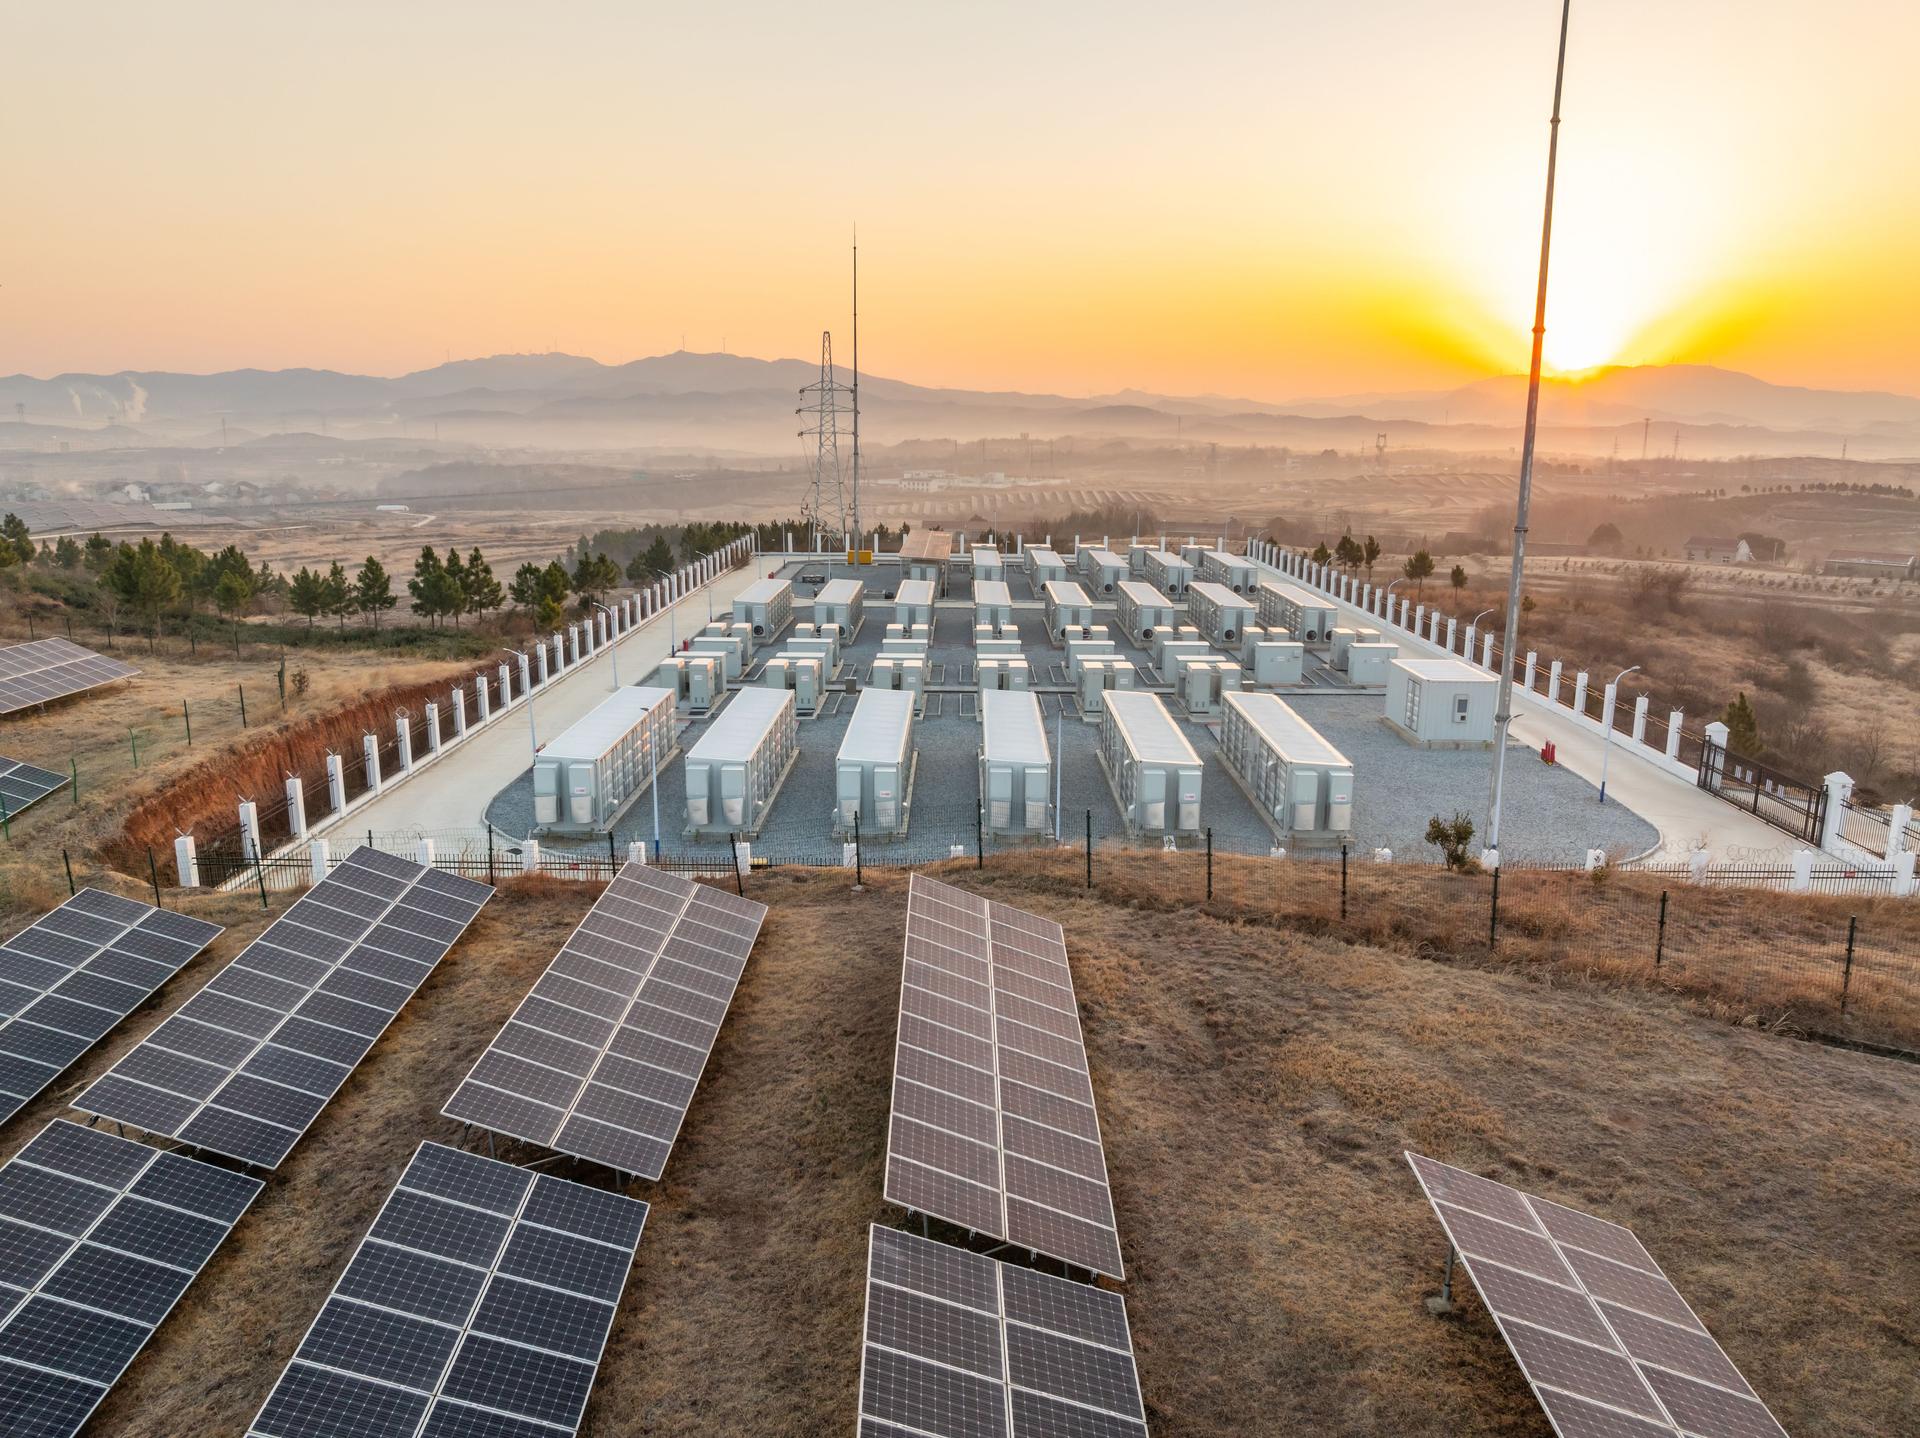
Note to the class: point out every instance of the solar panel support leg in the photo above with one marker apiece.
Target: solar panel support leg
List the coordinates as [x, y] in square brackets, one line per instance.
[1441, 1303]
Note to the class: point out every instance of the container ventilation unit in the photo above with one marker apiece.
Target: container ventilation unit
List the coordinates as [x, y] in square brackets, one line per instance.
[1219, 613]
[1016, 766]
[585, 778]
[735, 770]
[1097, 679]
[1003, 674]
[1203, 684]
[1300, 783]
[1154, 772]
[731, 650]
[873, 774]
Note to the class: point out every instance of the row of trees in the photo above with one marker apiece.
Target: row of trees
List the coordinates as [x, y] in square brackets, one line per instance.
[1353, 555]
[155, 578]
[334, 596]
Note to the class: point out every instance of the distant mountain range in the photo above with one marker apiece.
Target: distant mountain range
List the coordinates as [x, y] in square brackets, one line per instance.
[735, 402]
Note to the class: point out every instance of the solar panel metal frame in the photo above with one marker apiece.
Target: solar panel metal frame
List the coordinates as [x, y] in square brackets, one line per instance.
[431, 1168]
[22, 785]
[1080, 1238]
[1057, 1358]
[1538, 1284]
[34, 1384]
[500, 1109]
[29, 986]
[278, 981]
[44, 670]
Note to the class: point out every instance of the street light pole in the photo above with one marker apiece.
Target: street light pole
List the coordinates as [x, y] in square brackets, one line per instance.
[1473, 628]
[1606, 738]
[533, 738]
[1503, 709]
[613, 642]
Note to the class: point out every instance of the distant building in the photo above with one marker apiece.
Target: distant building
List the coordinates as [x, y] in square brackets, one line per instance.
[1872, 564]
[1711, 549]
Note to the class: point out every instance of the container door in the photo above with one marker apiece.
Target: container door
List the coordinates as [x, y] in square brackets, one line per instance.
[847, 790]
[733, 794]
[546, 793]
[886, 796]
[1189, 782]
[1305, 784]
[999, 798]
[1036, 796]
[1153, 800]
[699, 787]
[1339, 801]
[580, 793]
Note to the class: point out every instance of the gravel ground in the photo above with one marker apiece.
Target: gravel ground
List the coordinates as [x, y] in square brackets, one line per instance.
[1550, 812]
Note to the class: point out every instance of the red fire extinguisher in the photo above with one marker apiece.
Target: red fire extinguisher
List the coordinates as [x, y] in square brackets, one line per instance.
[1547, 752]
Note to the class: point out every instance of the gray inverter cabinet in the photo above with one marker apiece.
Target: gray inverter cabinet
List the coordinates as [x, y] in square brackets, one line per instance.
[1006, 673]
[735, 770]
[1300, 782]
[987, 563]
[1172, 634]
[1234, 571]
[765, 606]
[992, 604]
[873, 772]
[699, 679]
[839, 604]
[1153, 769]
[1368, 663]
[584, 778]
[1168, 573]
[733, 653]
[913, 602]
[1309, 618]
[1441, 703]
[1141, 609]
[1219, 613]
[804, 674]
[1016, 765]
[1067, 608]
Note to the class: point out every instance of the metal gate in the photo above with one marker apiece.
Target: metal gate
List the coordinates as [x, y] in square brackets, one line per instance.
[1787, 803]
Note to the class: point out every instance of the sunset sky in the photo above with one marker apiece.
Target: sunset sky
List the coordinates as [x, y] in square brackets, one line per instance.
[1275, 200]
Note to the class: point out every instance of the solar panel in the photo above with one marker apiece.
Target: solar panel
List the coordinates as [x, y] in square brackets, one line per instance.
[22, 784]
[959, 1346]
[69, 977]
[1610, 1347]
[249, 1061]
[604, 1053]
[477, 1306]
[994, 1126]
[99, 1237]
[49, 669]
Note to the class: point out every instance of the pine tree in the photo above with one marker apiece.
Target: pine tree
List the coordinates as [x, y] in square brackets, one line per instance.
[337, 594]
[428, 586]
[554, 588]
[1743, 728]
[525, 588]
[307, 595]
[13, 530]
[481, 589]
[373, 591]
[99, 552]
[1418, 568]
[454, 587]
[66, 552]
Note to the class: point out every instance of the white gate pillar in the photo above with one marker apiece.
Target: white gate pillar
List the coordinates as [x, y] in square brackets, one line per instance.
[541, 652]
[1897, 822]
[186, 862]
[1903, 874]
[1802, 881]
[423, 856]
[1608, 697]
[1839, 792]
[506, 686]
[530, 857]
[1453, 632]
[1486, 650]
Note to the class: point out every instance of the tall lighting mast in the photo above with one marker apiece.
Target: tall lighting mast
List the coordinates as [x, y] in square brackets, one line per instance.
[1503, 710]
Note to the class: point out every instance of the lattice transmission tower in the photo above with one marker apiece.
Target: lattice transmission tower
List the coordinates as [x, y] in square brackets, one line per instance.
[827, 403]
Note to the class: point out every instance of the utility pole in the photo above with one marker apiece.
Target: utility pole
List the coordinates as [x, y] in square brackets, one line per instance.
[1503, 710]
[1646, 429]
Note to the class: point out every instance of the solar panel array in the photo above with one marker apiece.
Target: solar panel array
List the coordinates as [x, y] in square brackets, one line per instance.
[249, 1061]
[99, 1237]
[23, 784]
[959, 1346]
[1611, 1348]
[994, 1126]
[604, 1053]
[69, 977]
[49, 669]
[477, 1306]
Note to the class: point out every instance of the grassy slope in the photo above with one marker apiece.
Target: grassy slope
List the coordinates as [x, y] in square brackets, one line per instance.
[1256, 1090]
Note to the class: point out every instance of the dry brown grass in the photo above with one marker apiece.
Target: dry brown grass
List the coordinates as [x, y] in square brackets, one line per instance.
[1257, 1084]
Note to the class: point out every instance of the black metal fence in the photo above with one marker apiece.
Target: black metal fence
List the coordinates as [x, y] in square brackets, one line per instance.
[1791, 805]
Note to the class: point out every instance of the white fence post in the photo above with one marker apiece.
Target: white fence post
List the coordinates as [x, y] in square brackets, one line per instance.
[296, 806]
[541, 651]
[319, 859]
[637, 851]
[530, 856]
[403, 741]
[433, 727]
[1903, 874]
[1676, 720]
[1580, 692]
[1486, 650]
[1640, 719]
[459, 713]
[336, 785]
[1839, 791]
[506, 685]
[1897, 822]
[370, 747]
[249, 830]
[480, 709]
[186, 862]
[1533, 664]
[1608, 697]
[1802, 871]
[424, 855]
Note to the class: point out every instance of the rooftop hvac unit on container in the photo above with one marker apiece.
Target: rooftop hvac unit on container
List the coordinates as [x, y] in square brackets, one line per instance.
[1080, 650]
[1067, 607]
[839, 604]
[1219, 613]
[1016, 766]
[987, 563]
[992, 603]
[1171, 634]
[825, 648]
[1168, 573]
[1097, 679]
[1143, 609]
[913, 602]
[1044, 566]
[1275, 662]
[735, 770]
[1233, 571]
[584, 778]
[1301, 784]
[1441, 703]
[732, 652]
[700, 680]
[764, 606]
[1010, 672]
[1287, 606]
[1202, 685]
[1153, 770]
[804, 674]
[873, 774]
[1368, 663]
[1102, 571]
